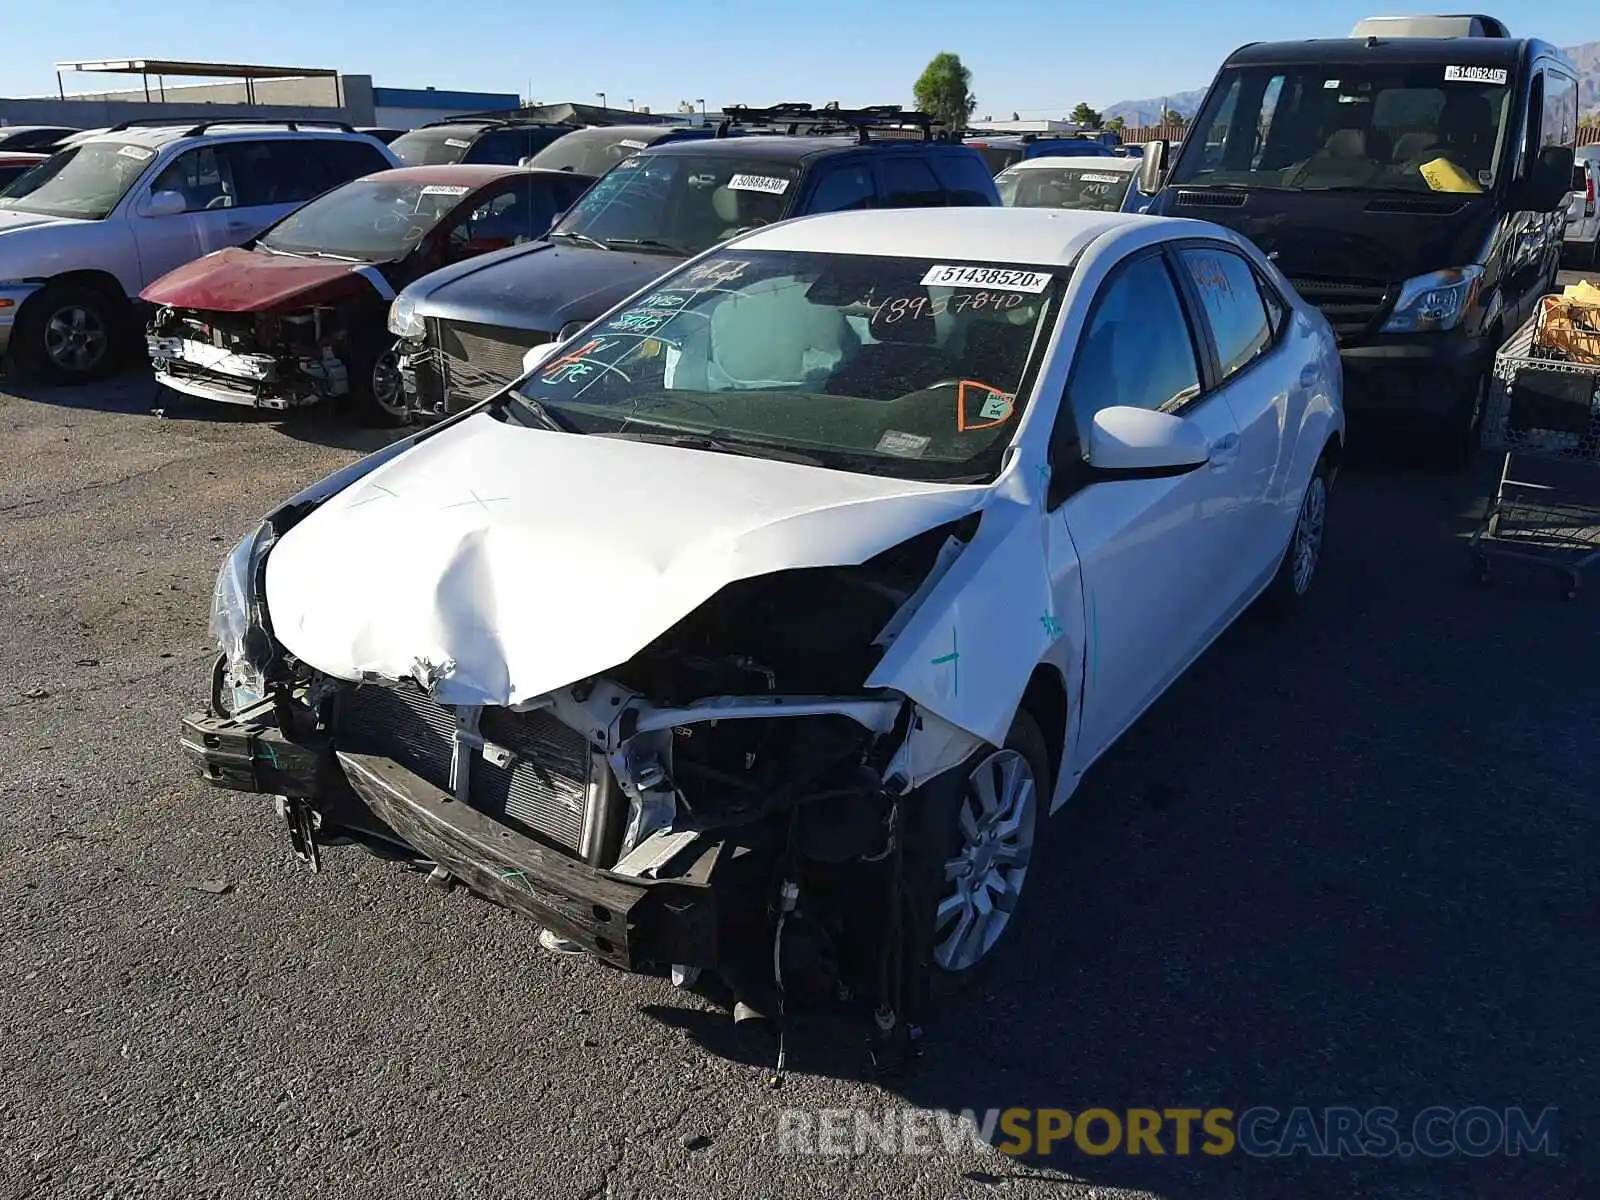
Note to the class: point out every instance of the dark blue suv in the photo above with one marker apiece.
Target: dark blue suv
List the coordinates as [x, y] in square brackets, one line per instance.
[463, 330]
[1002, 152]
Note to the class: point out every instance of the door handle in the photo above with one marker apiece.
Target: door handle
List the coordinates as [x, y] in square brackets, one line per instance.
[1224, 450]
[236, 226]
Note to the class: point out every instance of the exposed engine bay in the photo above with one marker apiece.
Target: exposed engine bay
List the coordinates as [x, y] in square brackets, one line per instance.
[276, 360]
[729, 799]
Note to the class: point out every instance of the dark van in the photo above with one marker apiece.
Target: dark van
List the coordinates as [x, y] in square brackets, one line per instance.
[1409, 180]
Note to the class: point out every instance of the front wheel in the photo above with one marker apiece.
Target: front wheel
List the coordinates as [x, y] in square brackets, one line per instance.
[975, 843]
[68, 334]
[377, 396]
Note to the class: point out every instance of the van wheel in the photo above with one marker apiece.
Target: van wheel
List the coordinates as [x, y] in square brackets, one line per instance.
[1454, 440]
[68, 334]
[969, 848]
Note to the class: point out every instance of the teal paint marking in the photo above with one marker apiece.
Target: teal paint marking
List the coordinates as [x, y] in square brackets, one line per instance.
[954, 659]
[1052, 627]
[381, 493]
[480, 501]
[513, 874]
[267, 754]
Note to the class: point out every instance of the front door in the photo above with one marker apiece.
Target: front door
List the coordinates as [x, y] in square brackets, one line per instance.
[202, 178]
[1154, 554]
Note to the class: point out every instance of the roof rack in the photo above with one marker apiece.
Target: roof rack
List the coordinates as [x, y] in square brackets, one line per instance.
[508, 117]
[195, 129]
[860, 120]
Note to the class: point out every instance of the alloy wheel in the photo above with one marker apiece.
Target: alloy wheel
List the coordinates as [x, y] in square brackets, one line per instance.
[983, 879]
[75, 339]
[387, 391]
[1308, 533]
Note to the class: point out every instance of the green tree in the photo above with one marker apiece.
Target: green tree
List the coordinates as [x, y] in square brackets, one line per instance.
[1173, 117]
[1116, 125]
[944, 91]
[1086, 116]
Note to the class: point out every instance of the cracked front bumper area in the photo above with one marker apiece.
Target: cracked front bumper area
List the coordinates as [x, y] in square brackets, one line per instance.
[632, 923]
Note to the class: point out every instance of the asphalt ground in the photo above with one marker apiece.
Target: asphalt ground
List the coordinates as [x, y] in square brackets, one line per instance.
[1345, 862]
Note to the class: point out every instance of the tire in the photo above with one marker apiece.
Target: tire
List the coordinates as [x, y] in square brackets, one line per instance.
[377, 399]
[68, 334]
[1291, 586]
[963, 917]
[1453, 441]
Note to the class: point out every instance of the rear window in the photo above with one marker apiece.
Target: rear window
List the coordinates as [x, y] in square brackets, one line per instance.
[966, 179]
[433, 147]
[594, 151]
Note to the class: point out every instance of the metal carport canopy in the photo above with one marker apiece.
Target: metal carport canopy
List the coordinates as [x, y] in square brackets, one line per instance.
[206, 70]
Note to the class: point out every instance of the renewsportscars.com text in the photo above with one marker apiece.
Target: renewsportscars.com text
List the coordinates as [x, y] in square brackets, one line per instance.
[1260, 1132]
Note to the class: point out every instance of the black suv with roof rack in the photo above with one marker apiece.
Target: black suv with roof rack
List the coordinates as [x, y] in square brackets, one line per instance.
[464, 330]
[503, 139]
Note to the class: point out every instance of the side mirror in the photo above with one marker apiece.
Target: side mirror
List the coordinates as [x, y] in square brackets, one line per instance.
[165, 204]
[537, 355]
[1153, 166]
[1140, 443]
[1548, 181]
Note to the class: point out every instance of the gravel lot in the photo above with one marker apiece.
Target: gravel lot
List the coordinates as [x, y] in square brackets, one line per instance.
[1350, 862]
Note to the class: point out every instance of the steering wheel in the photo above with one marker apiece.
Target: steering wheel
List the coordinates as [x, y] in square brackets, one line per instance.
[222, 201]
[387, 221]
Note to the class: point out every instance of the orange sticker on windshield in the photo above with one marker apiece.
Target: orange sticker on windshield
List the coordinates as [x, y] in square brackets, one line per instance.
[994, 407]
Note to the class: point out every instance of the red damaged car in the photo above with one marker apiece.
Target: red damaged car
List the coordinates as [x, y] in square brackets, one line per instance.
[297, 316]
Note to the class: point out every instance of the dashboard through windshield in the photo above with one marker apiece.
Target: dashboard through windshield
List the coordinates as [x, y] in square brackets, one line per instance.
[1352, 127]
[915, 368]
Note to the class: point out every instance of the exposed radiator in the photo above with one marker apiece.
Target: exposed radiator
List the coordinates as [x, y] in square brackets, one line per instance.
[541, 791]
[479, 360]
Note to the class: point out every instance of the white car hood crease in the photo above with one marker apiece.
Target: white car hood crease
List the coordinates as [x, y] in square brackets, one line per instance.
[522, 560]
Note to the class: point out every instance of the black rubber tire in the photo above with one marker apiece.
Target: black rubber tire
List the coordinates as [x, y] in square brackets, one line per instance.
[363, 401]
[1282, 599]
[28, 345]
[1452, 443]
[933, 831]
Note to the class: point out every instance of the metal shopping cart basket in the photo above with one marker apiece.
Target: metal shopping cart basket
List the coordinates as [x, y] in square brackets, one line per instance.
[1543, 404]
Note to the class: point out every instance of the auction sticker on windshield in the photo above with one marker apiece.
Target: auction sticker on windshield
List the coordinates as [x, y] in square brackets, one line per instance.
[1089, 177]
[758, 183]
[988, 277]
[458, 143]
[138, 152]
[634, 144]
[444, 189]
[1454, 74]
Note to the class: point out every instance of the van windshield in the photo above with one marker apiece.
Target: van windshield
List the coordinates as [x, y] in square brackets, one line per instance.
[1349, 127]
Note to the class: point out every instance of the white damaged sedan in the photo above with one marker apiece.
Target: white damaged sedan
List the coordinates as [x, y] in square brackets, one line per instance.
[761, 623]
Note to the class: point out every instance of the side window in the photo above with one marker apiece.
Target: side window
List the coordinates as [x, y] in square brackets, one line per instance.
[277, 172]
[516, 213]
[506, 147]
[1138, 350]
[1232, 302]
[347, 159]
[201, 177]
[1560, 123]
[965, 181]
[1277, 310]
[569, 192]
[909, 183]
[844, 187]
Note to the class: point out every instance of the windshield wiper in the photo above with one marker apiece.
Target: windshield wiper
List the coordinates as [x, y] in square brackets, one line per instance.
[580, 237]
[543, 415]
[706, 441]
[647, 244]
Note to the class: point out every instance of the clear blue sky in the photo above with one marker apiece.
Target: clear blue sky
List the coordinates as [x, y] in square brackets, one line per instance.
[1036, 56]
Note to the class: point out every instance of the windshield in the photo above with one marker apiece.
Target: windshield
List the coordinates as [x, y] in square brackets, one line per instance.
[592, 151]
[915, 368]
[680, 203]
[1063, 187]
[432, 147]
[85, 181]
[376, 220]
[998, 157]
[1349, 127]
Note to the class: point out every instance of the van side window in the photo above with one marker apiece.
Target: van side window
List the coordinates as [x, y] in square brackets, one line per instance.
[1559, 126]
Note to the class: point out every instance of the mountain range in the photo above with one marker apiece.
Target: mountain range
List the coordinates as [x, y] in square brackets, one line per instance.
[1137, 113]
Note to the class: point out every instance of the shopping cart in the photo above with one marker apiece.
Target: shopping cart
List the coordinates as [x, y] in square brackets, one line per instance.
[1544, 405]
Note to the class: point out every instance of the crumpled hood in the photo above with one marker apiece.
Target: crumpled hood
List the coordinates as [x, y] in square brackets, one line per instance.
[507, 562]
[236, 280]
[541, 288]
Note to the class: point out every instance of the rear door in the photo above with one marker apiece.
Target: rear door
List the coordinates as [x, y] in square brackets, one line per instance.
[273, 177]
[1256, 369]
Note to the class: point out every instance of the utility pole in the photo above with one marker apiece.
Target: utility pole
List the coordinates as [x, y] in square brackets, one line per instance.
[602, 96]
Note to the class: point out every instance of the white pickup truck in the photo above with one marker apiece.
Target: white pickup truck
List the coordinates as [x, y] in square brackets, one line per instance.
[84, 232]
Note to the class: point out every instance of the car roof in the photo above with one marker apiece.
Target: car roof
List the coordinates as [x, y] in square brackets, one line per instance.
[1479, 51]
[472, 175]
[1096, 162]
[1022, 235]
[156, 136]
[6, 129]
[13, 157]
[785, 147]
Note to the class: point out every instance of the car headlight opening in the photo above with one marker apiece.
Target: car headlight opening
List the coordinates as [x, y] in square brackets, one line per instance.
[1434, 302]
